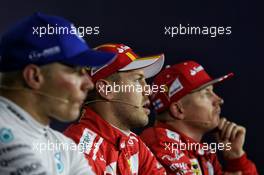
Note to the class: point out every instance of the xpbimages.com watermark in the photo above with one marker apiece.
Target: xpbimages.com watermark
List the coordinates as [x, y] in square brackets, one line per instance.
[211, 31]
[61, 30]
[121, 87]
[211, 147]
[59, 146]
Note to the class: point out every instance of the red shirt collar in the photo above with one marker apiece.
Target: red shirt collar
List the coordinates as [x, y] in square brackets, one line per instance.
[95, 122]
[184, 138]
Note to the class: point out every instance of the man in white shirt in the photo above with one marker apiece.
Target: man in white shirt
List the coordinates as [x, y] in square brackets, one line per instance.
[42, 77]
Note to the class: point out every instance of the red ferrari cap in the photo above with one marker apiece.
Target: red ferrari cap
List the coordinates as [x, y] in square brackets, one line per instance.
[179, 80]
[126, 60]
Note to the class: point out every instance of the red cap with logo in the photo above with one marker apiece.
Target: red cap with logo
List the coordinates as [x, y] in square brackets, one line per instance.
[179, 80]
[126, 60]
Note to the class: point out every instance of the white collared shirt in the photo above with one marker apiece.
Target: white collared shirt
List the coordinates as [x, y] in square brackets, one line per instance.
[28, 147]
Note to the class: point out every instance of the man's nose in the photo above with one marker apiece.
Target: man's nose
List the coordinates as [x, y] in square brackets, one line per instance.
[218, 99]
[146, 89]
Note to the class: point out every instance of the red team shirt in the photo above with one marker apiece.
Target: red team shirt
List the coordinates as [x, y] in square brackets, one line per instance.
[160, 139]
[111, 151]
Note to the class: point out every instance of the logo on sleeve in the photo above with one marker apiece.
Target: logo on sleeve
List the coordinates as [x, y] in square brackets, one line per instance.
[6, 135]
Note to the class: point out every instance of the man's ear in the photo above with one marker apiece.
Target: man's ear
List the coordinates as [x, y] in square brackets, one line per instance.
[177, 110]
[104, 89]
[32, 76]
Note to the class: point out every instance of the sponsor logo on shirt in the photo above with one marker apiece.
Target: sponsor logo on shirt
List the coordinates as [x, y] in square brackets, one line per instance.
[6, 135]
[87, 140]
[170, 158]
[59, 163]
[176, 166]
[172, 135]
[7, 162]
[27, 169]
[14, 148]
[196, 169]
[133, 163]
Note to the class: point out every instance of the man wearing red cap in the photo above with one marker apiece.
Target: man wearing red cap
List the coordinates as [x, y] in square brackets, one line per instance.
[113, 109]
[187, 110]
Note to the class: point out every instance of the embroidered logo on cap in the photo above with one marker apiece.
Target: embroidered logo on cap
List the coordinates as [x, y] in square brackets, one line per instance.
[195, 70]
[175, 87]
[35, 55]
[157, 104]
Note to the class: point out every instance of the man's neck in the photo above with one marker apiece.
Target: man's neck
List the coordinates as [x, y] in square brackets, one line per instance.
[108, 115]
[126, 132]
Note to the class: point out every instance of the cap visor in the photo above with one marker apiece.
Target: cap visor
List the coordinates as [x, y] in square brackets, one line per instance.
[215, 81]
[91, 58]
[151, 65]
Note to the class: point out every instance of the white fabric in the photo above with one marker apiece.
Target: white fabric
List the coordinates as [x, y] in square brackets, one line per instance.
[20, 136]
[151, 65]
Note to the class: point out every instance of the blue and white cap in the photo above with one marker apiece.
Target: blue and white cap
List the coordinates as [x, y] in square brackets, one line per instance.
[23, 45]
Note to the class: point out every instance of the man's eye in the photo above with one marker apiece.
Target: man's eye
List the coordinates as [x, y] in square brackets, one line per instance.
[139, 79]
[209, 94]
[88, 69]
[81, 70]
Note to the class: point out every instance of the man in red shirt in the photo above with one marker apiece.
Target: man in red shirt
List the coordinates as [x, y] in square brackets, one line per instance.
[118, 104]
[187, 109]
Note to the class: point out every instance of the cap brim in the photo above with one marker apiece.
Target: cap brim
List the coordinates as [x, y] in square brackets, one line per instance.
[150, 65]
[91, 58]
[215, 81]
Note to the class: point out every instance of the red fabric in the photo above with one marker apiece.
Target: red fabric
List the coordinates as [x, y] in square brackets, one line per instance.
[180, 79]
[122, 60]
[161, 135]
[109, 150]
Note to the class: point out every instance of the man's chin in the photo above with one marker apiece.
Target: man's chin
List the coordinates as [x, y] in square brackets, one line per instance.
[146, 121]
[72, 116]
[216, 120]
[143, 121]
